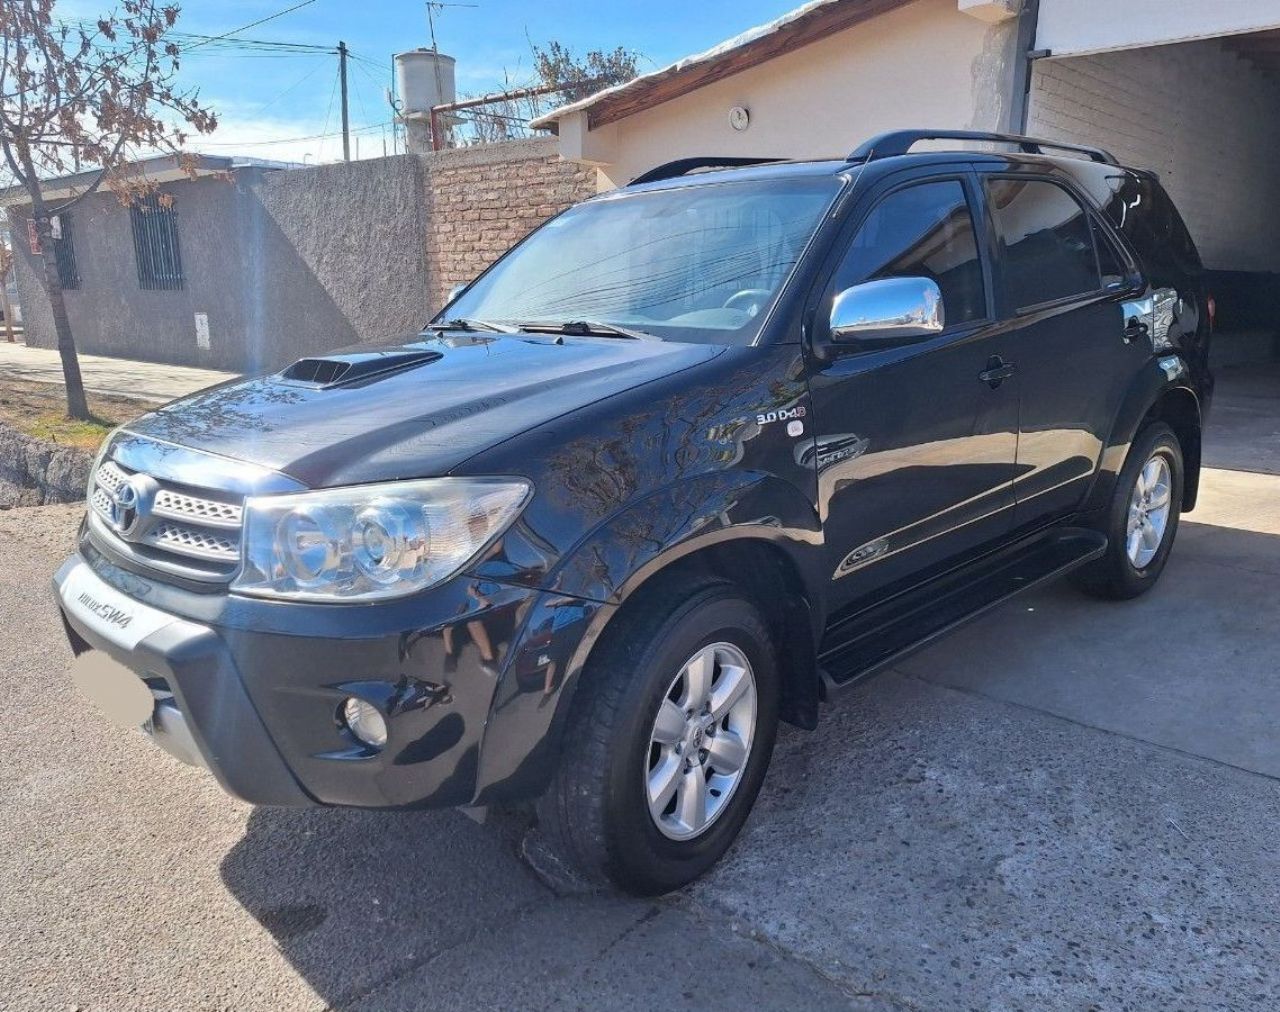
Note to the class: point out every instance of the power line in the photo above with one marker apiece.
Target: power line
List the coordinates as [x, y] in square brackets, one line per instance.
[254, 24]
[368, 127]
[222, 42]
[329, 112]
[296, 84]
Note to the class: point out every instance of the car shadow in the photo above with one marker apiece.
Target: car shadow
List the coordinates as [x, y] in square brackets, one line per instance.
[354, 898]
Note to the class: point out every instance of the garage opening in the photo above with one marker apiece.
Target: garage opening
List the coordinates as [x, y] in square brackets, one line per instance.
[1202, 114]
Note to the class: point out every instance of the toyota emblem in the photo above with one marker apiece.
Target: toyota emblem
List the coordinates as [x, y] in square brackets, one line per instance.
[125, 503]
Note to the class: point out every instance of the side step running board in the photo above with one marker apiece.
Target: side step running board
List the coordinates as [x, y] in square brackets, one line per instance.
[876, 637]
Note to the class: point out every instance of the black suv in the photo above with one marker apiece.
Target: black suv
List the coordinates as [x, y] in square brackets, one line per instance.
[693, 457]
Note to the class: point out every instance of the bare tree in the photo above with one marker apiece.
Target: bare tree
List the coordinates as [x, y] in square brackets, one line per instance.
[95, 93]
[557, 65]
[557, 68]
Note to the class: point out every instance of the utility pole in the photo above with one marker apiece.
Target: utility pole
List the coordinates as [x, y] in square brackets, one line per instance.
[346, 123]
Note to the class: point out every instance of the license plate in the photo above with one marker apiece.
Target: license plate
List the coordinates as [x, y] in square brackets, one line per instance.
[120, 694]
[117, 617]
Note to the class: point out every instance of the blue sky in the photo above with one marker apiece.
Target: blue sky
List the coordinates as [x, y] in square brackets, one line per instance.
[266, 102]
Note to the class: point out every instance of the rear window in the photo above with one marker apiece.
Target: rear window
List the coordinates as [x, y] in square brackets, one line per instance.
[1140, 208]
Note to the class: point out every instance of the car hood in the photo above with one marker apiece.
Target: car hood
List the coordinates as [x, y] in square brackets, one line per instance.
[409, 410]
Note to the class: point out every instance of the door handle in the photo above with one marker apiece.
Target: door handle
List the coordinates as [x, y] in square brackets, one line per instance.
[996, 372]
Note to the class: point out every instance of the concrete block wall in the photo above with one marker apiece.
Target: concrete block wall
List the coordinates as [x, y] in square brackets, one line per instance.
[1202, 117]
[481, 201]
[299, 262]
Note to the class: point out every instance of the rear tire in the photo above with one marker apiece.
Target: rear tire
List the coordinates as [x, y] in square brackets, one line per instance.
[657, 775]
[1142, 519]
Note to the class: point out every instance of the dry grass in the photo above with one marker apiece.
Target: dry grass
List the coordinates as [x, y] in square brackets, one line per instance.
[40, 410]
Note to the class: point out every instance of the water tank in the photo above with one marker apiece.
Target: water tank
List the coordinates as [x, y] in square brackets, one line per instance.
[424, 78]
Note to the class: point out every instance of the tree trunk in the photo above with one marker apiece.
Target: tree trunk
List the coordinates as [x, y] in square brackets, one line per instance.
[77, 405]
[5, 307]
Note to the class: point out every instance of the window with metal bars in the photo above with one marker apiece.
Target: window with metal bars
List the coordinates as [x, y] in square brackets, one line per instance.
[64, 254]
[155, 243]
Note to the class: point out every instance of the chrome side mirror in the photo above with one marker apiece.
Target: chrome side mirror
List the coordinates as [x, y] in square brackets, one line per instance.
[454, 292]
[887, 312]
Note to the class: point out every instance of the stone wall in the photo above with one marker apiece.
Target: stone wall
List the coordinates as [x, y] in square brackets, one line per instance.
[483, 200]
[34, 472]
[283, 264]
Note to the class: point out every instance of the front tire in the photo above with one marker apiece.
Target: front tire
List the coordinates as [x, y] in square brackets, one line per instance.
[1142, 519]
[667, 744]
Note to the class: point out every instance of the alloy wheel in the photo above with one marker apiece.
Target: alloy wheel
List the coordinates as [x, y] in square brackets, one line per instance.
[701, 741]
[1149, 511]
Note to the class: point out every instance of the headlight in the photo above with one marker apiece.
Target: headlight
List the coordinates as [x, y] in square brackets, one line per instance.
[368, 542]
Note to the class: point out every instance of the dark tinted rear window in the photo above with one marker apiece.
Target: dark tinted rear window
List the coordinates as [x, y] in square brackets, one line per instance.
[1141, 209]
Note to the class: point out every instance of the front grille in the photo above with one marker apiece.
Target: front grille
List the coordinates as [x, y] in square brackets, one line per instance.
[194, 542]
[180, 529]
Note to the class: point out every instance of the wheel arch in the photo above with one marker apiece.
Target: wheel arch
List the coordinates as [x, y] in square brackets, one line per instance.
[1160, 393]
[1179, 408]
[770, 579]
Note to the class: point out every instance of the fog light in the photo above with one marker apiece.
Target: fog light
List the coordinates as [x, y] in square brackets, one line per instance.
[365, 722]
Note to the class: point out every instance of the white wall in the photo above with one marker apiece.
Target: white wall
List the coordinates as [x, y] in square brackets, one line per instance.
[926, 64]
[1203, 118]
[1075, 27]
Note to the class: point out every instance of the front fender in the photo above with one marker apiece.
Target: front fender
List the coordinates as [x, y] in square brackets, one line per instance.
[652, 532]
[586, 591]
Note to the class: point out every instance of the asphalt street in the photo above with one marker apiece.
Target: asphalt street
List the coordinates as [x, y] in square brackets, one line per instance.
[1069, 804]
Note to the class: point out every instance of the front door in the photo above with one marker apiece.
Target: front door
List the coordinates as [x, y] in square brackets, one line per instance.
[915, 451]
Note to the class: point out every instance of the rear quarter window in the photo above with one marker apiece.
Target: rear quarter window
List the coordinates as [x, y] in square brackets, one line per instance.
[1138, 206]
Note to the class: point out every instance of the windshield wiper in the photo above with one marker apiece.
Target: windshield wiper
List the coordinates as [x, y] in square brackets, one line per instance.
[585, 328]
[461, 323]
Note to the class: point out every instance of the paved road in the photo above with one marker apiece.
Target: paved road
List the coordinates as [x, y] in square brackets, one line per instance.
[1069, 804]
[146, 381]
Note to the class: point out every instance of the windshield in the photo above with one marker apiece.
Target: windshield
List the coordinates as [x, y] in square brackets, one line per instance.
[697, 263]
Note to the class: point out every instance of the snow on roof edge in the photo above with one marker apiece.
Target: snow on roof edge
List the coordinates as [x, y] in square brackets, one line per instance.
[706, 56]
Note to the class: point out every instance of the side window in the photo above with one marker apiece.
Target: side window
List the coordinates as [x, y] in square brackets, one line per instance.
[927, 231]
[1140, 209]
[1114, 271]
[1046, 241]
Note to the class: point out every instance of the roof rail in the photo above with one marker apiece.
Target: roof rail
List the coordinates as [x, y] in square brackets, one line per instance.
[899, 142]
[683, 166]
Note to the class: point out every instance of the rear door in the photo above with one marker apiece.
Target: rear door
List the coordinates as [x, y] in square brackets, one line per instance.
[1061, 282]
[915, 452]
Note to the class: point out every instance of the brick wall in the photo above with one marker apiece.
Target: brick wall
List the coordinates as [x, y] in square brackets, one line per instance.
[480, 201]
[1202, 117]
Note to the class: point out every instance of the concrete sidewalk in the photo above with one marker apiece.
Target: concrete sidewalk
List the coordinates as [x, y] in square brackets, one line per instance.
[144, 381]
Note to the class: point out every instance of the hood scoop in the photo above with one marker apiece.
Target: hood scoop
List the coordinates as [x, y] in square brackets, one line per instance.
[348, 370]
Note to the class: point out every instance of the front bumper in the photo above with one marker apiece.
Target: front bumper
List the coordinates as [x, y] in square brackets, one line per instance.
[468, 676]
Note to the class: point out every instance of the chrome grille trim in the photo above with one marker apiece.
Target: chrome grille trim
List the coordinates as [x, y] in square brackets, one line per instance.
[164, 526]
[206, 512]
[109, 477]
[192, 541]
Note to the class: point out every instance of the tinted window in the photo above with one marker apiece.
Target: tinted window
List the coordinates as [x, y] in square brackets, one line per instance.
[1140, 208]
[1046, 240]
[921, 231]
[1114, 271]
